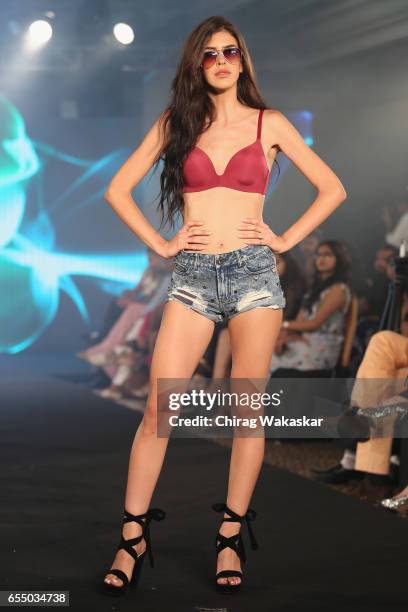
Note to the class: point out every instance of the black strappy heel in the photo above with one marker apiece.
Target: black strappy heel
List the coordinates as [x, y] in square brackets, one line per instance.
[235, 542]
[155, 514]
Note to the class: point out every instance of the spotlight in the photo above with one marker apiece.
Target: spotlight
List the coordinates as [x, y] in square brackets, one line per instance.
[39, 33]
[123, 33]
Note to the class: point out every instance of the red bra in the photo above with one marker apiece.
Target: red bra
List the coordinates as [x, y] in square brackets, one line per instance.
[247, 170]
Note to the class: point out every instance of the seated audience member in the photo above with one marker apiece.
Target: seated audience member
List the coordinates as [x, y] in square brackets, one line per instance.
[138, 294]
[385, 362]
[375, 288]
[151, 292]
[313, 340]
[396, 223]
[134, 359]
[372, 303]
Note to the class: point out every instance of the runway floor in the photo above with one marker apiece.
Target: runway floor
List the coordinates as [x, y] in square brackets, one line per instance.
[64, 464]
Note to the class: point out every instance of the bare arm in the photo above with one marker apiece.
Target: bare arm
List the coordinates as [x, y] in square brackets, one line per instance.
[331, 192]
[300, 315]
[118, 193]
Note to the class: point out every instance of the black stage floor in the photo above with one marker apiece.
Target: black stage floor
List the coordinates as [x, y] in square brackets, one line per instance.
[64, 464]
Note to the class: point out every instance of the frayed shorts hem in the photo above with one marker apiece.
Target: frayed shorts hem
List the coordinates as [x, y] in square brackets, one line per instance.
[252, 307]
[213, 318]
[218, 318]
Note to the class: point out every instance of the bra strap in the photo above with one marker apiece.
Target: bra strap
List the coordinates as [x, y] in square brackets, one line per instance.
[258, 135]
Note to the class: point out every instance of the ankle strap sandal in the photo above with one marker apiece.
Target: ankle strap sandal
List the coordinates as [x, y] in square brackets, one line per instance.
[235, 542]
[153, 514]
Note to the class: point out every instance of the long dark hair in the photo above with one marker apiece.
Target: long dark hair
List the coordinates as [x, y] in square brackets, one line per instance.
[183, 120]
[341, 272]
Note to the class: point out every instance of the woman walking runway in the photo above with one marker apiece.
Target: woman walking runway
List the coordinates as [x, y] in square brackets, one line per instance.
[218, 141]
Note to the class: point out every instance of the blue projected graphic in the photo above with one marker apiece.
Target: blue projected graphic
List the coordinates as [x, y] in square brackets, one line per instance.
[50, 202]
[32, 270]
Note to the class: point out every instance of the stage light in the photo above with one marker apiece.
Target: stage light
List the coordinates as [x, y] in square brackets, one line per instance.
[39, 32]
[123, 33]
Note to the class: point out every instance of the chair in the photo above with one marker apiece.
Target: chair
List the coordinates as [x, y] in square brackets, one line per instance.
[350, 325]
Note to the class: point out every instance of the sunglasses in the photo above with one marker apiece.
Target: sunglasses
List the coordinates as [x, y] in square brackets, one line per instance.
[233, 55]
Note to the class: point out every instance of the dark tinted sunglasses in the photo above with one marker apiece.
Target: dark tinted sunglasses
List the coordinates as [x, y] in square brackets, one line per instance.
[233, 55]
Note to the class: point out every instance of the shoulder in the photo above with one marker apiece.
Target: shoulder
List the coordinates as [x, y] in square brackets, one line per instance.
[272, 124]
[343, 286]
[284, 133]
[339, 291]
[279, 125]
[338, 287]
[274, 118]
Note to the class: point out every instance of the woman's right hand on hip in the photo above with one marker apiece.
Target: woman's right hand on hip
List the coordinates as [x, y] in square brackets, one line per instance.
[192, 236]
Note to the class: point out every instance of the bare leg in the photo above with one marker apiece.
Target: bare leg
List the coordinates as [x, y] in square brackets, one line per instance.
[222, 354]
[253, 336]
[182, 340]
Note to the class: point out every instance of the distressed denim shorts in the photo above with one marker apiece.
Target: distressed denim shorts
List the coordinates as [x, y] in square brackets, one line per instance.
[222, 285]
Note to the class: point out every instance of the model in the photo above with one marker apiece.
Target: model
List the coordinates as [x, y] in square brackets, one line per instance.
[218, 142]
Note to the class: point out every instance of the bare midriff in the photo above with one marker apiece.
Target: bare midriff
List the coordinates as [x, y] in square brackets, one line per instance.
[222, 210]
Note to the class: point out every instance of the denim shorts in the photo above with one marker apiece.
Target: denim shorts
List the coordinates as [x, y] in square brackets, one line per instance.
[222, 285]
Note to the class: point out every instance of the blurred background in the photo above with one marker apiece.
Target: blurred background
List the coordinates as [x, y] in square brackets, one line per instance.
[79, 91]
[81, 297]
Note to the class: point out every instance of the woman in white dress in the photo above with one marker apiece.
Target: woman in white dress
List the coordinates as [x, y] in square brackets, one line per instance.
[314, 339]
